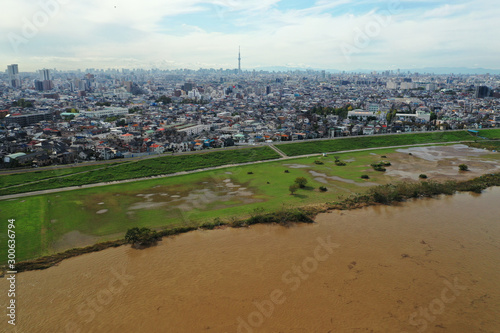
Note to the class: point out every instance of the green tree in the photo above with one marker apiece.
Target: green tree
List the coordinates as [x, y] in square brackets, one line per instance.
[301, 181]
[293, 188]
[164, 99]
[433, 116]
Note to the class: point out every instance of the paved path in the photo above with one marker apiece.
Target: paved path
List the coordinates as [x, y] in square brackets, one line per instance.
[273, 147]
[71, 188]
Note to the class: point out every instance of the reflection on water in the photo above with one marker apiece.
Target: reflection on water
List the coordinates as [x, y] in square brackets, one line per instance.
[428, 266]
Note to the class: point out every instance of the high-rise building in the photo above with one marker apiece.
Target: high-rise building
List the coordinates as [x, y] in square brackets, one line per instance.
[483, 91]
[13, 72]
[188, 86]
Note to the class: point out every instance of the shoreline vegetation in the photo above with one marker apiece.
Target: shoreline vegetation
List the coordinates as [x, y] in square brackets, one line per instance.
[377, 195]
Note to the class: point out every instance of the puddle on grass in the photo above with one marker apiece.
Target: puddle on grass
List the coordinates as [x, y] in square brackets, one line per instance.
[323, 178]
[438, 153]
[440, 163]
[73, 239]
[211, 193]
[296, 166]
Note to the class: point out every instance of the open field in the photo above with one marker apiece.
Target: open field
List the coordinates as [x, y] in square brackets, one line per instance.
[360, 142]
[144, 168]
[55, 222]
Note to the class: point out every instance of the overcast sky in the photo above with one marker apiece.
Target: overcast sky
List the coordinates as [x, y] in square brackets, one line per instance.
[328, 34]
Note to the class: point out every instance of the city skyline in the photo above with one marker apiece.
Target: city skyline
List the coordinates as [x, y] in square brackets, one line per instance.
[340, 35]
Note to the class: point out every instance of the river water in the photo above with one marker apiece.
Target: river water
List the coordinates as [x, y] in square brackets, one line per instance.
[430, 265]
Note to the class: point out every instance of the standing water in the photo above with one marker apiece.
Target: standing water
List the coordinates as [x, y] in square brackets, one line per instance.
[429, 265]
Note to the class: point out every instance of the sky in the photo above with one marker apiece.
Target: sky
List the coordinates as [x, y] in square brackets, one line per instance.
[321, 34]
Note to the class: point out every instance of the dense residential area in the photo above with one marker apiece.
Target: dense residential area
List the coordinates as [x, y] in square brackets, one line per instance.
[60, 117]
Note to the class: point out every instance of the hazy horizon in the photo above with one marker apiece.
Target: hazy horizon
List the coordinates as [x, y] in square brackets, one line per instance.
[332, 35]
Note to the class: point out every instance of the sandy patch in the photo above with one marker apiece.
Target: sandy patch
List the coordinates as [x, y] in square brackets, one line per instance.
[102, 211]
[296, 166]
[438, 153]
[440, 163]
[323, 178]
[147, 205]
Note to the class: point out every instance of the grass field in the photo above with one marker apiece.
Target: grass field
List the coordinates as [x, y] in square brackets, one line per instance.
[48, 223]
[490, 133]
[146, 168]
[361, 142]
[33, 176]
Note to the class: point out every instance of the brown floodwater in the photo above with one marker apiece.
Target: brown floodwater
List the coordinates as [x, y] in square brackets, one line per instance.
[429, 265]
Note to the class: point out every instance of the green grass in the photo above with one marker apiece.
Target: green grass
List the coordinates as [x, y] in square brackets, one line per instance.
[33, 176]
[490, 133]
[361, 142]
[151, 167]
[490, 145]
[44, 220]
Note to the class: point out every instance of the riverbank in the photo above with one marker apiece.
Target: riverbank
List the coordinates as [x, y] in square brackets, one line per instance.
[382, 194]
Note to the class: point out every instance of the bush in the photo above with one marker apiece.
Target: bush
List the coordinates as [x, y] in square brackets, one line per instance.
[323, 189]
[318, 162]
[286, 171]
[339, 163]
[383, 156]
[422, 176]
[249, 173]
[301, 181]
[463, 167]
[365, 177]
[142, 236]
[378, 167]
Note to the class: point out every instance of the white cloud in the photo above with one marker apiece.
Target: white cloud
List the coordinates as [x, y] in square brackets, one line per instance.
[96, 34]
[445, 10]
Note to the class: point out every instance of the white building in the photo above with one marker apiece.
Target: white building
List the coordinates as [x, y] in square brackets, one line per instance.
[361, 114]
[106, 112]
[195, 129]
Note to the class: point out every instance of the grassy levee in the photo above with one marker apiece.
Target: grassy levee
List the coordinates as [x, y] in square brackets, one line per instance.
[492, 134]
[33, 176]
[360, 142]
[151, 167]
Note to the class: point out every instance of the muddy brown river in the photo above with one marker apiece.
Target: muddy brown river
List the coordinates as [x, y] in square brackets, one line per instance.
[422, 266]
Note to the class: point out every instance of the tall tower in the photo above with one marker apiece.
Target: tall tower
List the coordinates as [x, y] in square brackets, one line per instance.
[239, 60]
